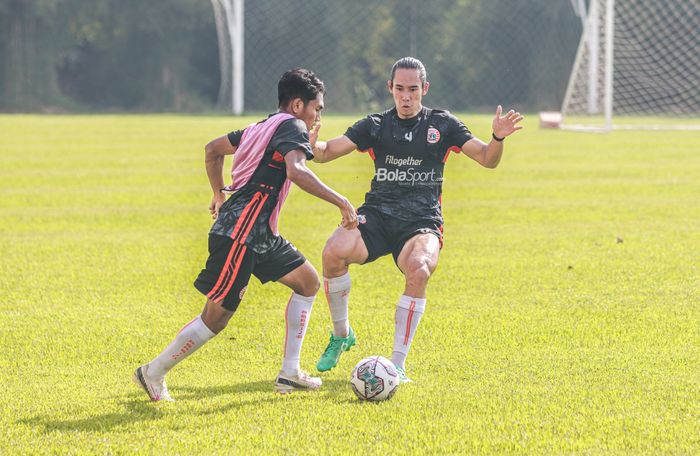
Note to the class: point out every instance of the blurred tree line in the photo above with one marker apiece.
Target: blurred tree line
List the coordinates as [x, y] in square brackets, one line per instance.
[107, 55]
[147, 55]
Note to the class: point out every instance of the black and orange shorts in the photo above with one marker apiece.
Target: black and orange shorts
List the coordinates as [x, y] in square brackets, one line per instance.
[231, 263]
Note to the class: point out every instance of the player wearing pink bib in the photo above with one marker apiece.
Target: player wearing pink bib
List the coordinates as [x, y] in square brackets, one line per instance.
[244, 239]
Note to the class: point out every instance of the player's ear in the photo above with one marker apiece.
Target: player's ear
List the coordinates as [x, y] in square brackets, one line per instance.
[389, 85]
[425, 87]
[297, 106]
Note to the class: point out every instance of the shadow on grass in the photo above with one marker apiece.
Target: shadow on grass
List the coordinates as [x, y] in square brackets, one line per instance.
[135, 411]
[331, 389]
[138, 409]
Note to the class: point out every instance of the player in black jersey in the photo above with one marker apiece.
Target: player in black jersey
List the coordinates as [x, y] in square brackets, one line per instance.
[402, 214]
[244, 240]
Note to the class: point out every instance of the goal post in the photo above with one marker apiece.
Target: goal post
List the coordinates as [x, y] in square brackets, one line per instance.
[637, 67]
[228, 17]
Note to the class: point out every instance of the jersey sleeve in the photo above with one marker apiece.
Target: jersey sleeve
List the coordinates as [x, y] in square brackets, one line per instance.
[364, 132]
[457, 132]
[292, 135]
[235, 137]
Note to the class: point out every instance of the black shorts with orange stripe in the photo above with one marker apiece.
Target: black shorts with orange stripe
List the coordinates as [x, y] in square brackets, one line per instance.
[241, 243]
[231, 263]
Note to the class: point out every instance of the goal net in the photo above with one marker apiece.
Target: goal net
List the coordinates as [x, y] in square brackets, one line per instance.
[637, 66]
[478, 53]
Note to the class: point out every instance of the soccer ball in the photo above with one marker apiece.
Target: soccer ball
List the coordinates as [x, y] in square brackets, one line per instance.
[374, 379]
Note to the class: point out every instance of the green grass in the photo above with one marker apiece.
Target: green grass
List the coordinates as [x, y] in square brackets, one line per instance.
[563, 318]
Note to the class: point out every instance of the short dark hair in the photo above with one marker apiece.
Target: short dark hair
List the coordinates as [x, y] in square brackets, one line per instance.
[298, 83]
[410, 63]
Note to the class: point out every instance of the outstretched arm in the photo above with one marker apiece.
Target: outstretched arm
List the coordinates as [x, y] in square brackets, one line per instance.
[325, 151]
[489, 155]
[214, 153]
[300, 174]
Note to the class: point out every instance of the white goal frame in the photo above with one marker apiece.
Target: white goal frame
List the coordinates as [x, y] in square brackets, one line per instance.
[228, 16]
[590, 46]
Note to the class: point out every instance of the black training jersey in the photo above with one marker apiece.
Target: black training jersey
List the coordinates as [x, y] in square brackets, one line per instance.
[254, 203]
[409, 158]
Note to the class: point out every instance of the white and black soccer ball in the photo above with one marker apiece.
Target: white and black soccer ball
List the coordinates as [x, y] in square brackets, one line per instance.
[374, 379]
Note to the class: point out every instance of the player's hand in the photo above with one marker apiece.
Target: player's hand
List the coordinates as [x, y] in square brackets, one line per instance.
[313, 133]
[349, 214]
[506, 125]
[216, 202]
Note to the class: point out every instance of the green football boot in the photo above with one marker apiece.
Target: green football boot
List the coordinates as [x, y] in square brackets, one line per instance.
[403, 378]
[336, 347]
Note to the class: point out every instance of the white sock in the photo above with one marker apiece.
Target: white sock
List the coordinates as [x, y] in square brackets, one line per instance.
[408, 313]
[192, 336]
[297, 317]
[338, 294]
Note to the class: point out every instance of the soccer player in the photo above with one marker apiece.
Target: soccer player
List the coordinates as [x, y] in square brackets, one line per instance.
[244, 240]
[402, 214]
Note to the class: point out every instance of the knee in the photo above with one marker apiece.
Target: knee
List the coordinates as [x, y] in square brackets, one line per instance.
[306, 284]
[215, 323]
[215, 317]
[418, 274]
[310, 288]
[334, 256]
[330, 252]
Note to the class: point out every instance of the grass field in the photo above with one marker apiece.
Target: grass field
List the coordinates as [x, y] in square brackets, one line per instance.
[564, 316]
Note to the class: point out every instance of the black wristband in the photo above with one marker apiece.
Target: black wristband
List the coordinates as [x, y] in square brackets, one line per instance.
[493, 135]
